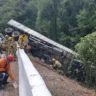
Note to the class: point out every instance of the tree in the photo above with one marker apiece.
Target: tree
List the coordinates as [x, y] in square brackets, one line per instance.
[86, 18]
[72, 18]
[9, 10]
[49, 14]
[29, 15]
[87, 53]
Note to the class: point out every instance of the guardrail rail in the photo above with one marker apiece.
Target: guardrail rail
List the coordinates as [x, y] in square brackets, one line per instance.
[30, 81]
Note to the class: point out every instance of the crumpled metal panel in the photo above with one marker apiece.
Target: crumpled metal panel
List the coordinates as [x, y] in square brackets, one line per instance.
[38, 35]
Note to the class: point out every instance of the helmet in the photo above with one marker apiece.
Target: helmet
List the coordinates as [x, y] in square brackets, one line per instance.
[6, 36]
[10, 57]
[21, 37]
[10, 38]
[53, 59]
[13, 35]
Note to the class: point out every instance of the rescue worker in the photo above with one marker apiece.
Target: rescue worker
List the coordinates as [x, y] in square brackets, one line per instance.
[10, 44]
[20, 42]
[57, 66]
[23, 41]
[6, 37]
[13, 45]
[5, 71]
[13, 36]
[5, 44]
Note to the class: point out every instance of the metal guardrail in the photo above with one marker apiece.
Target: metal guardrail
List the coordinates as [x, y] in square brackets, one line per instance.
[30, 81]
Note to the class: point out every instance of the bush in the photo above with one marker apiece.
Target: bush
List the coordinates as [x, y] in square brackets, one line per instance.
[87, 53]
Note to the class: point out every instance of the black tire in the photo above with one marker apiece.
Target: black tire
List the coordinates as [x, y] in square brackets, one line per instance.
[8, 31]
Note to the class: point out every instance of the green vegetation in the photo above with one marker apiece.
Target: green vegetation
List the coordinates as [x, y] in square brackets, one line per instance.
[87, 53]
[65, 21]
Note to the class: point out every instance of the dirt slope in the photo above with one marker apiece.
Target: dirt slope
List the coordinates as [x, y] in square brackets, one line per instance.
[61, 85]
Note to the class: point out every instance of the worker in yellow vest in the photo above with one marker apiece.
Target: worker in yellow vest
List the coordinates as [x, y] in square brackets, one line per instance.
[57, 66]
[20, 41]
[23, 41]
[14, 45]
[25, 38]
[5, 44]
[10, 44]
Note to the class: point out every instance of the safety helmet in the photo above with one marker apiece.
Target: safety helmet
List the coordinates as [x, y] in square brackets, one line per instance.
[53, 59]
[10, 38]
[10, 57]
[13, 35]
[6, 36]
[20, 36]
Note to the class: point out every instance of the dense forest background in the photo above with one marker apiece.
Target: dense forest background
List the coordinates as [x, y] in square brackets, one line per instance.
[64, 21]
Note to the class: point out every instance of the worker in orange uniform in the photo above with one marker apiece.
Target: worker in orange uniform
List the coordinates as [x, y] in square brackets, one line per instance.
[5, 71]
